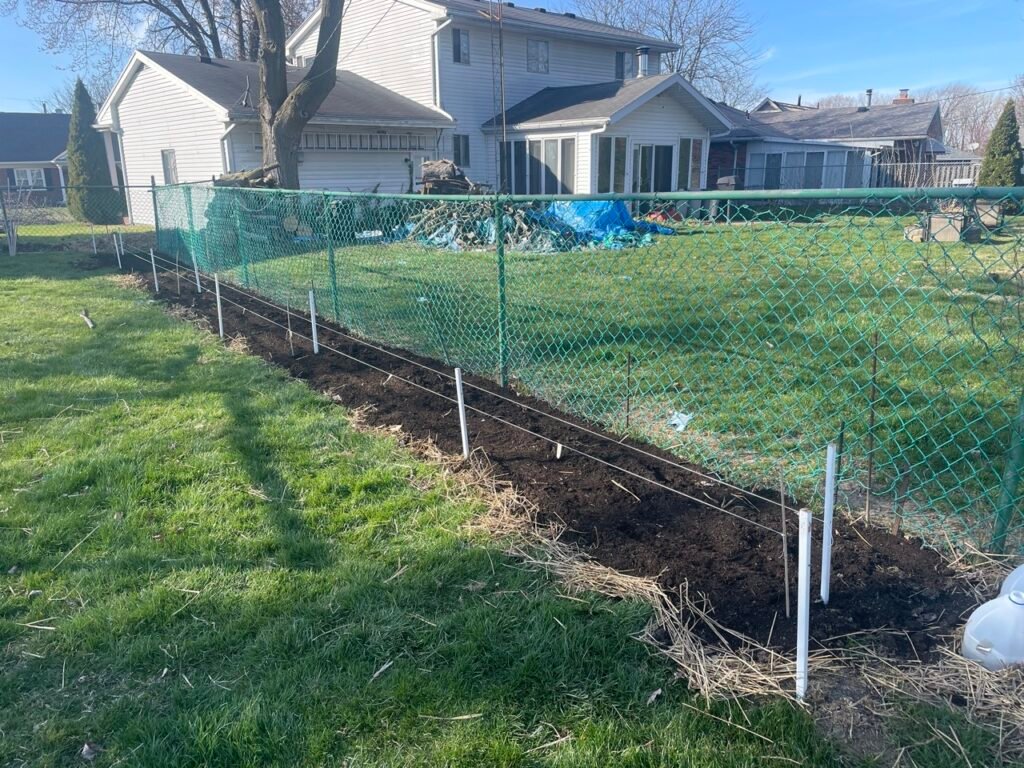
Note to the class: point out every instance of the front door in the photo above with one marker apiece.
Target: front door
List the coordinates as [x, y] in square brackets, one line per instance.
[652, 167]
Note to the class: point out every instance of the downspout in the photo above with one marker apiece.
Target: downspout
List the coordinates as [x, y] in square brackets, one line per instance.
[225, 152]
[435, 49]
[63, 186]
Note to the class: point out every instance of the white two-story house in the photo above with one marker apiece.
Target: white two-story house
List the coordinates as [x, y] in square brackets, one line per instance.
[524, 100]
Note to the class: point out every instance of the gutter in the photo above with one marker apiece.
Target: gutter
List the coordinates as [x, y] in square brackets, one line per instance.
[598, 123]
[225, 154]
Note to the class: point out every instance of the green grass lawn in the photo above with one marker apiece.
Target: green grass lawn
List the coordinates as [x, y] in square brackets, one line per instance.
[203, 563]
[764, 330]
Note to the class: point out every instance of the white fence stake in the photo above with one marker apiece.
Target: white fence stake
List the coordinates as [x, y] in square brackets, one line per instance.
[156, 280]
[93, 233]
[312, 318]
[462, 413]
[803, 603]
[220, 314]
[826, 532]
[117, 251]
[195, 268]
[120, 237]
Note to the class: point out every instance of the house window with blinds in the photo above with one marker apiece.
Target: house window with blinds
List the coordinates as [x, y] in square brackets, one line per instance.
[690, 158]
[538, 166]
[460, 45]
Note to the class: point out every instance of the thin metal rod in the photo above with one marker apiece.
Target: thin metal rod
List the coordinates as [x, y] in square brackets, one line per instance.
[220, 311]
[156, 280]
[462, 413]
[629, 376]
[826, 530]
[195, 268]
[117, 252]
[785, 538]
[803, 603]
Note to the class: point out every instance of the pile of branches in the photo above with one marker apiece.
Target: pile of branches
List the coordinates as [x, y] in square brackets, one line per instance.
[259, 178]
[443, 177]
[461, 225]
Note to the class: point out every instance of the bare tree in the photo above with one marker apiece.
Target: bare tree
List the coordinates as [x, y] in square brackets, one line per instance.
[283, 113]
[713, 38]
[100, 34]
[968, 115]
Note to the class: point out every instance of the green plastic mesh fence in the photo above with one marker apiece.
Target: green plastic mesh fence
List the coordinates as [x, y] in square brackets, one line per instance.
[740, 333]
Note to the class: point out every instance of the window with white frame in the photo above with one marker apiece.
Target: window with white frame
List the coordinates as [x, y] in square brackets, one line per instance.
[169, 161]
[538, 166]
[29, 178]
[460, 150]
[460, 45]
[611, 164]
[537, 59]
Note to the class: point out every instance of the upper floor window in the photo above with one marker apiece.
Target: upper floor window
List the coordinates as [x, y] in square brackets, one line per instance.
[460, 45]
[624, 64]
[29, 178]
[537, 56]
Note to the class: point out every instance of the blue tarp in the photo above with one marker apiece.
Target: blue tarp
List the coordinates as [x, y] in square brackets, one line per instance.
[595, 220]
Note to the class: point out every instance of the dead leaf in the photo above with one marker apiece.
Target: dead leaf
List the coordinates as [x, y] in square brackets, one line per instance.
[651, 699]
[89, 751]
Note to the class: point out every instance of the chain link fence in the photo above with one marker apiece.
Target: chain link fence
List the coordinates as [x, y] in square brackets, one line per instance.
[742, 331]
[75, 218]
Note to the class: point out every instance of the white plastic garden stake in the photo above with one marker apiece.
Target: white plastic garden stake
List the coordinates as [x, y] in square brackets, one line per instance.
[195, 268]
[462, 413]
[93, 233]
[117, 251]
[826, 531]
[312, 318]
[803, 603]
[156, 281]
[120, 237]
[220, 313]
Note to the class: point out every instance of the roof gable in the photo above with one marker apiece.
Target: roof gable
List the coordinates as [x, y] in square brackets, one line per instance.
[232, 89]
[603, 103]
[33, 137]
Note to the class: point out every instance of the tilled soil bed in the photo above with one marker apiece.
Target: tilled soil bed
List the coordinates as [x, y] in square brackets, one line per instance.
[880, 581]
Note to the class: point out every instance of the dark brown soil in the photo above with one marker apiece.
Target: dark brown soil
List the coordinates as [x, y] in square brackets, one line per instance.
[880, 582]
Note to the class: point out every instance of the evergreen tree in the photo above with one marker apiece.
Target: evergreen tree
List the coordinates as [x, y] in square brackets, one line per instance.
[91, 197]
[1002, 164]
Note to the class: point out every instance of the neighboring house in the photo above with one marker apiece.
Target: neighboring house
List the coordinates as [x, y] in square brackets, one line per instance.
[585, 108]
[33, 157]
[790, 146]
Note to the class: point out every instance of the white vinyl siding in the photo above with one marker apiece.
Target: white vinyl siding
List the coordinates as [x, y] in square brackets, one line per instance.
[389, 43]
[351, 169]
[157, 114]
[468, 96]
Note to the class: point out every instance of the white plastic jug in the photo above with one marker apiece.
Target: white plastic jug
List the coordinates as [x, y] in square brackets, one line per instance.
[1014, 582]
[994, 635]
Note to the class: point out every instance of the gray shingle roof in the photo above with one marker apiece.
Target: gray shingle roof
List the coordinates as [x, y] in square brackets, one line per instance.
[354, 99]
[32, 137]
[557, 22]
[578, 102]
[886, 121]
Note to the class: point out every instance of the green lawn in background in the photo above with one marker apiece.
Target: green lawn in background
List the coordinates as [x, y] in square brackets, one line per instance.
[202, 563]
[763, 330]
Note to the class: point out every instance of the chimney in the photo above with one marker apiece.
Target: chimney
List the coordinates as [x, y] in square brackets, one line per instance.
[44, 107]
[869, 92]
[642, 54]
[904, 97]
[799, 99]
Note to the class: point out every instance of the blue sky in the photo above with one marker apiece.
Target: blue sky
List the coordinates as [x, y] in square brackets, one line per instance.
[807, 48]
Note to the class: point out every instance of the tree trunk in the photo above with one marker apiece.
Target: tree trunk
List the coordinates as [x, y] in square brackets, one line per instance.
[284, 114]
[238, 23]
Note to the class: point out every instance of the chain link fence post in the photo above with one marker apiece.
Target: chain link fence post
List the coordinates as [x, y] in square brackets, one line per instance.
[499, 240]
[156, 215]
[332, 268]
[1011, 479]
